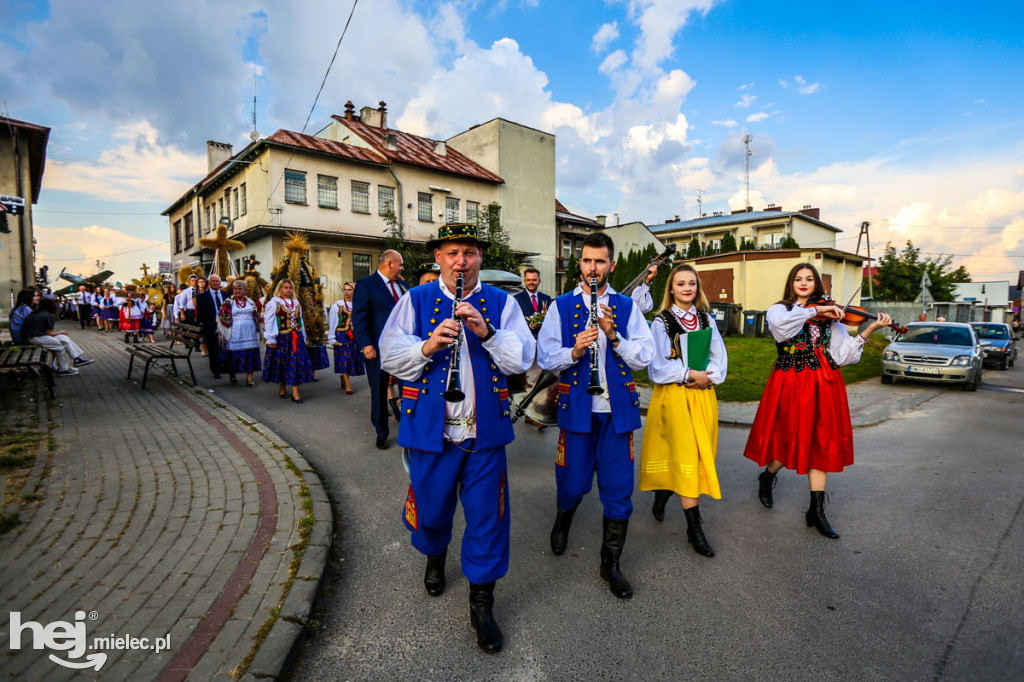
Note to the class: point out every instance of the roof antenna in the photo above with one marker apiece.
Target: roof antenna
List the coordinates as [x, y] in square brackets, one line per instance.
[254, 135]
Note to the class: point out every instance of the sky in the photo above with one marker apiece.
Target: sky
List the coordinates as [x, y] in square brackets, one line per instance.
[908, 115]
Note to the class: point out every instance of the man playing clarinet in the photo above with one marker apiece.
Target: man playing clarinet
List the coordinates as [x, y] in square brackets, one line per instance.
[457, 447]
[598, 407]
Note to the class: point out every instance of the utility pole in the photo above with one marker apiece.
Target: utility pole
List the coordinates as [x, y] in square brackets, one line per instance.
[700, 203]
[867, 239]
[747, 139]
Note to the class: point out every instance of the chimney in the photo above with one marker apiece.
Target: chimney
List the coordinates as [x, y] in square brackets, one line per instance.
[773, 207]
[739, 210]
[350, 110]
[382, 110]
[440, 148]
[369, 116]
[811, 212]
[216, 154]
[599, 219]
[391, 142]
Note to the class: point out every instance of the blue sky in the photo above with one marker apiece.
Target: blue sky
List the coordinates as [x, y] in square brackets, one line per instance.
[905, 114]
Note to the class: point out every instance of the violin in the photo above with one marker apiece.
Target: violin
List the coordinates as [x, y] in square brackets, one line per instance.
[853, 316]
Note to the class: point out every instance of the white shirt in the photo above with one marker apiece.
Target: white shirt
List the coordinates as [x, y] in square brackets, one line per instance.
[218, 297]
[785, 324]
[183, 301]
[334, 314]
[511, 349]
[667, 371]
[642, 297]
[636, 347]
[292, 306]
[388, 283]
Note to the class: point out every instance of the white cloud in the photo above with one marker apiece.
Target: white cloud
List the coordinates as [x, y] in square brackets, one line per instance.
[674, 87]
[759, 116]
[659, 21]
[78, 249]
[727, 123]
[745, 101]
[801, 85]
[745, 86]
[612, 63]
[604, 36]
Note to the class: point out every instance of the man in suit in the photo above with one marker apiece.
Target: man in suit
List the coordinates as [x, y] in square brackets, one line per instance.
[184, 302]
[530, 300]
[374, 299]
[207, 308]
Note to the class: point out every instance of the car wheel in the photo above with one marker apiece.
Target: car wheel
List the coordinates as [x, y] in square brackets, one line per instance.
[972, 384]
[886, 379]
[1004, 365]
[1013, 360]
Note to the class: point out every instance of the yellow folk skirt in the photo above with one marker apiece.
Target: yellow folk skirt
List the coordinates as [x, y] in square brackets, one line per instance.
[680, 441]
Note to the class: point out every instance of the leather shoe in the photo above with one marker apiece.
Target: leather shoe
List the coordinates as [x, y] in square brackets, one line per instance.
[661, 498]
[560, 531]
[382, 442]
[481, 615]
[433, 577]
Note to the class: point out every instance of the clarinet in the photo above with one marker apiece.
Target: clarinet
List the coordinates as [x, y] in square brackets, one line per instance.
[595, 373]
[454, 393]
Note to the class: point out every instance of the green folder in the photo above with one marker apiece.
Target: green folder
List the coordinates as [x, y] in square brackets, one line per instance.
[698, 349]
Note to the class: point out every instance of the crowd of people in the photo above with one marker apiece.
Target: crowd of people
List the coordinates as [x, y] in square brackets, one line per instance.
[438, 354]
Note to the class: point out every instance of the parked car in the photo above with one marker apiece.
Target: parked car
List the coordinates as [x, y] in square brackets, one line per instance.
[944, 352]
[1003, 351]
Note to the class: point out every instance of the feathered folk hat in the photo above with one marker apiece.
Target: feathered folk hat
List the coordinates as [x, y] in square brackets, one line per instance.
[457, 232]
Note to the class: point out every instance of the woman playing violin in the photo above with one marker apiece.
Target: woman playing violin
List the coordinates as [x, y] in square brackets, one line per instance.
[803, 420]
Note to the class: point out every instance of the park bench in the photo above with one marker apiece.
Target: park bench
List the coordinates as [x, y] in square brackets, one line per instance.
[35, 358]
[185, 335]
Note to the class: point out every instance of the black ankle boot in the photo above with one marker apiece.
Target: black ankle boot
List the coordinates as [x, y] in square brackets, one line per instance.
[611, 550]
[765, 482]
[481, 604]
[695, 532]
[396, 408]
[560, 531]
[433, 577]
[660, 500]
[816, 515]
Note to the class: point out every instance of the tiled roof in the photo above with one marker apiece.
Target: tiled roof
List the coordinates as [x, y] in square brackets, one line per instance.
[733, 219]
[319, 144]
[418, 151]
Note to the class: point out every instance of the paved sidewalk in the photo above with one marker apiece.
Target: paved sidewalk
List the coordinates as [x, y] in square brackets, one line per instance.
[161, 513]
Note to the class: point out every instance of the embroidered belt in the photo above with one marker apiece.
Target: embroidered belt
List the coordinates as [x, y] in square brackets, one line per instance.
[460, 421]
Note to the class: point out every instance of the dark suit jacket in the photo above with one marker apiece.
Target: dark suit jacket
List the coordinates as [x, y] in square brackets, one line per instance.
[523, 299]
[206, 311]
[372, 302]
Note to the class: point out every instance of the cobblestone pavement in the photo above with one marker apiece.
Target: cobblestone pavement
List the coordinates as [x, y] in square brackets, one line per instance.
[161, 513]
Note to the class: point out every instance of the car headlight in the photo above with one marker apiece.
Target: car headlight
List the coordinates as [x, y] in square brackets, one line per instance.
[891, 356]
[961, 361]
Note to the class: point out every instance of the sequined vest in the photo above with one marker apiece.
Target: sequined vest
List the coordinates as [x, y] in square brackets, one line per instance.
[423, 403]
[798, 353]
[574, 403]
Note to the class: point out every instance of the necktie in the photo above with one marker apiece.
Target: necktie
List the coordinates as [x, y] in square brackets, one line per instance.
[394, 292]
[533, 297]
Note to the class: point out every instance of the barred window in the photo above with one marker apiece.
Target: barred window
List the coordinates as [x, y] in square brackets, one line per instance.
[189, 236]
[327, 191]
[360, 265]
[473, 212]
[294, 187]
[177, 236]
[451, 210]
[243, 198]
[385, 200]
[220, 206]
[234, 193]
[360, 197]
[425, 207]
[209, 225]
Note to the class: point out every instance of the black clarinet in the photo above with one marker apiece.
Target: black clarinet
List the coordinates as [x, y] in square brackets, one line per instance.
[454, 393]
[595, 372]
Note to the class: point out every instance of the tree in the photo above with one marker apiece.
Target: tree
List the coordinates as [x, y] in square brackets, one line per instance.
[694, 250]
[572, 275]
[728, 243]
[499, 255]
[899, 274]
[789, 243]
[747, 244]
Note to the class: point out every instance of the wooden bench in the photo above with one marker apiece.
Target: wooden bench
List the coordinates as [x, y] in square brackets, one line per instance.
[31, 357]
[188, 336]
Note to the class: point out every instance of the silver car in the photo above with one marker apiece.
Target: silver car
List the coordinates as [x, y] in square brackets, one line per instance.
[1003, 351]
[945, 352]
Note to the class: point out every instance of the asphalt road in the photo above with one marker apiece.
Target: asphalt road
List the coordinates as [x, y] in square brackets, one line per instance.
[925, 583]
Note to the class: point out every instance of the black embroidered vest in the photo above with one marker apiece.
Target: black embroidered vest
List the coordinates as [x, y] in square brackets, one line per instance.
[798, 353]
[674, 328]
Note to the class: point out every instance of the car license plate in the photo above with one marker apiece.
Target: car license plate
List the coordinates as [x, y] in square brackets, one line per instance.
[924, 370]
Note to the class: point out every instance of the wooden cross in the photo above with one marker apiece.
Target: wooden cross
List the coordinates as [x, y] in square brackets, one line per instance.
[145, 270]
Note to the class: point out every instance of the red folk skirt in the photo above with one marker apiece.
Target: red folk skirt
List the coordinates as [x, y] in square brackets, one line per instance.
[803, 420]
[127, 323]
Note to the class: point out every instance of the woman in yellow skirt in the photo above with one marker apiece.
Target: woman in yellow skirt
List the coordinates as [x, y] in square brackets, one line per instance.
[681, 433]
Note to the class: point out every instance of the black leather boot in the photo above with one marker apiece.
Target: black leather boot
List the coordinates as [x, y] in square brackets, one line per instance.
[611, 550]
[816, 515]
[433, 577]
[660, 500]
[481, 604]
[560, 531]
[396, 408]
[695, 533]
[765, 483]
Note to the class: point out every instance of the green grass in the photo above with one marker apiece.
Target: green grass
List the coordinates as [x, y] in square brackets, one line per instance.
[751, 360]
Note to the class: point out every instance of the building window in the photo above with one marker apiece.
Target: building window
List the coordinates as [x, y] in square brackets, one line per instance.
[473, 212]
[579, 249]
[235, 194]
[294, 187]
[451, 210]
[716, 246]
[567, 249]
[425, 207]
[209, 225]
[243, 198]
[220, 207]
[385, 200]
[327, 191]
[771, 241]
[360, 265]
[177, 236]
[189, 236]
[360, 197]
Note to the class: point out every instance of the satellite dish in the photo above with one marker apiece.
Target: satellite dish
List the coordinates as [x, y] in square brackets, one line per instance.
[254, 135]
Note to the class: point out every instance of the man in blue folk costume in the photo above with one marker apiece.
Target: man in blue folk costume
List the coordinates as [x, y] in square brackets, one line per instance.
[457, 445]
[598, 407]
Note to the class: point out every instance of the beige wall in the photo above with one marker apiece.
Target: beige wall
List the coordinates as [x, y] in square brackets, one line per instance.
[806, 233]
[17, 267]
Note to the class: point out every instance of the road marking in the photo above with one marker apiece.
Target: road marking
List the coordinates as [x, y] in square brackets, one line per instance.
[1008, 389]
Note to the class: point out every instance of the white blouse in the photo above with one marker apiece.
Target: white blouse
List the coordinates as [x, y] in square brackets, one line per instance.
[785, 324]
[664, 370]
